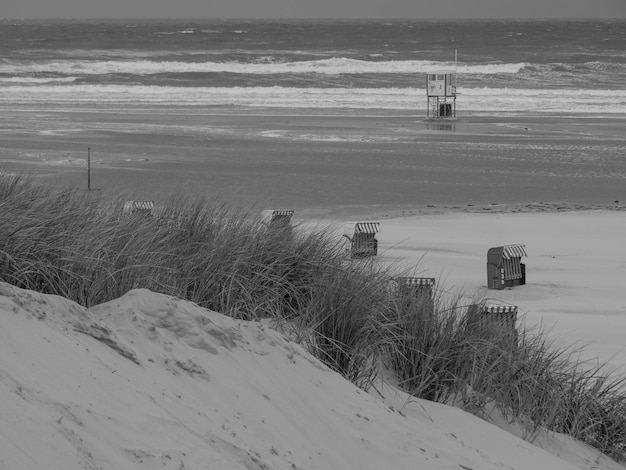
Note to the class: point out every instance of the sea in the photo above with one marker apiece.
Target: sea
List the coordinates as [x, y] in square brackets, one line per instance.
[501, 67]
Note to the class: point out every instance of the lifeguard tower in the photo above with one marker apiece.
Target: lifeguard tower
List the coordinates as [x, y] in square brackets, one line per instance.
[441, 94]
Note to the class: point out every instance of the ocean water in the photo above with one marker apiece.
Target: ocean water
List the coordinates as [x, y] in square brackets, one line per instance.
[505, 67]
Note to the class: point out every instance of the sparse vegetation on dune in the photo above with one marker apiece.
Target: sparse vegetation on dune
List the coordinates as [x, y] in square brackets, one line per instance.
[348, 313]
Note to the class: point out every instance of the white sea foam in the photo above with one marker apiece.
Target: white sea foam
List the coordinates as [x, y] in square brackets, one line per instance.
[492, 100]
[332, 66]
[36, 81]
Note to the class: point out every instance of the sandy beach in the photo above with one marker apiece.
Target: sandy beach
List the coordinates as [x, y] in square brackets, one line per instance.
[575, 269]
[148, 381]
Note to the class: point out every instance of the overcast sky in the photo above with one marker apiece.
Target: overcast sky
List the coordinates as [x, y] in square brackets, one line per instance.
[313, 9]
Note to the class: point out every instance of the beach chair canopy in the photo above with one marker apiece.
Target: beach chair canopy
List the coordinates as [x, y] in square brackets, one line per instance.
[500, 254]
[367, 227]
[503, 315]
[513, 251]
[270, 215]
[500, 314]
[417, 281]
[416, 287]
[138, 206]
[500, 309]
[508, 258]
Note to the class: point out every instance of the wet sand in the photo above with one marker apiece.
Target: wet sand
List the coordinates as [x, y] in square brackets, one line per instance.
[326, 163]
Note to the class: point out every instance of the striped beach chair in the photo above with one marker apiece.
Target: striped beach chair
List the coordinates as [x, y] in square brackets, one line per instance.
[422, 286]
[277, 223]
[505, 267]
[498, 320]
[277, 217]
[138, 207]
[416, 293]
[363, 242]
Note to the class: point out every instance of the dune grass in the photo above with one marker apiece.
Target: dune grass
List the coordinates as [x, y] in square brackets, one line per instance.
[349, 313]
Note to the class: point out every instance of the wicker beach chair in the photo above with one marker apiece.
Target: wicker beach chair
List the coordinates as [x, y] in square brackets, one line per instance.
[363, 242]
[138, 207]
[505, 267]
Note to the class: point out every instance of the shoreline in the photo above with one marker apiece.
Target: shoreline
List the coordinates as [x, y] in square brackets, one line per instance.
[398, 212]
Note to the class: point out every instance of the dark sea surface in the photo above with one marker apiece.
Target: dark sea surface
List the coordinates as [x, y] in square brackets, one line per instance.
[502, 67]
[328, 114]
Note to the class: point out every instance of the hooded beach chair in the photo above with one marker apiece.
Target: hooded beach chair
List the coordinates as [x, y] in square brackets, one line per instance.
[138, 207]
[494, 320]
[363, 241]
[278, 222]
[505, 267]
[417, 293]
[416, 286]
[277, 218]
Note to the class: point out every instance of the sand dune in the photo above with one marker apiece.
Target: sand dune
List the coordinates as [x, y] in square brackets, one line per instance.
[148, 381]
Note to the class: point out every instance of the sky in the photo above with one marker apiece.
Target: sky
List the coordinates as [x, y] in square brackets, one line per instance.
[313, 9]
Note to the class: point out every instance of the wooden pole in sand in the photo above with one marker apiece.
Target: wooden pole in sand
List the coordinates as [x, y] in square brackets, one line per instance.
[88, 168]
